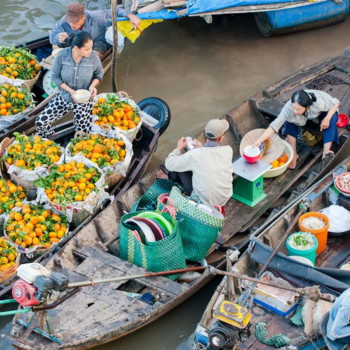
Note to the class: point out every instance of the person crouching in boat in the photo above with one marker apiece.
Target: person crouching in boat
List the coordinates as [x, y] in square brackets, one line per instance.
[93, 22]
[206, 170]
[306, 105]
[74, 68]
[338, 326]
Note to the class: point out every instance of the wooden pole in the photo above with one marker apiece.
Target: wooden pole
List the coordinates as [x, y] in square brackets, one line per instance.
[115, 46]
[300, 291]
[132, 277]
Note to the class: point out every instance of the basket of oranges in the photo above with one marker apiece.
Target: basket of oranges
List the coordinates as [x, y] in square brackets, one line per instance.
[18, 66]
[11, 196]
[14, 103]
[9, 260]
[112, 155]
[34, 228]
[27, 159]
[116, 112]
[280, 165]
[73, 189]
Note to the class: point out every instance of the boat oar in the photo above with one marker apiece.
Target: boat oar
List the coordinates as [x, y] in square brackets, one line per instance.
[313, 292]
[92, 282]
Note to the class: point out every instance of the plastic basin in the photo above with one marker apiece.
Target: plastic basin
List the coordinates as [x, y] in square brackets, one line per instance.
[343, 120]
[337, 184]
[159, 218]
[251, 154]
[320, 234]
[288, 150]
[346, 194]
[307, 253]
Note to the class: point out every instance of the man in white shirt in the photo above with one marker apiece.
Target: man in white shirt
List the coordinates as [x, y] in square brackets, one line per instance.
[205, 170]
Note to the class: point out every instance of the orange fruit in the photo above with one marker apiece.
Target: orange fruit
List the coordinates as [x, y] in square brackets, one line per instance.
[275, 163]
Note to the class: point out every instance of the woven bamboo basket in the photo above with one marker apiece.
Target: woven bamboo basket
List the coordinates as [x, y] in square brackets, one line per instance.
[111, 179]
[38, 251]
[3, 170]
[30, 83]
[30, 188]
[79, 215]
[9, 273]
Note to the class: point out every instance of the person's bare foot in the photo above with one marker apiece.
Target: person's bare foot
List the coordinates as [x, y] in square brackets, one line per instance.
[326, 154]
[161, 175]
[293, 163]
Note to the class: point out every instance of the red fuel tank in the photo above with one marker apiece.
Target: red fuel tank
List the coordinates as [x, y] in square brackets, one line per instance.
[23, 293]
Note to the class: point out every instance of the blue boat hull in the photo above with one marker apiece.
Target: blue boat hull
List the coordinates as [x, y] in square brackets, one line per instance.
[301, 18]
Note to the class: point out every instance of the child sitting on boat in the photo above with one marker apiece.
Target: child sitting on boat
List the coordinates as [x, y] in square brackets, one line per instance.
[205, 170]
[306, 105]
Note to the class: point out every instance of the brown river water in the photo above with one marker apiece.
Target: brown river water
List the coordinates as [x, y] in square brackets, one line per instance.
[202, 71]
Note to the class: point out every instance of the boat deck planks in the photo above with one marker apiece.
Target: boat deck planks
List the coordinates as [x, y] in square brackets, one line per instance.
[343, 65]
[160, 283]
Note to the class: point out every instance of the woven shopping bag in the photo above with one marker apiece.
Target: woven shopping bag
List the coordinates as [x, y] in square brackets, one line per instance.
[198, 229]
[149, 200]
[164, 255]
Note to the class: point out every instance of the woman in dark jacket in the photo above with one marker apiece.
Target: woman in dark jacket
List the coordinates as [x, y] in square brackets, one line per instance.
[76, 67]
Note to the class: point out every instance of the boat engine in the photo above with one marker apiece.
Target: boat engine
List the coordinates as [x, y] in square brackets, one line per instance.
[225, 336]
[232, 326]
[37, 285]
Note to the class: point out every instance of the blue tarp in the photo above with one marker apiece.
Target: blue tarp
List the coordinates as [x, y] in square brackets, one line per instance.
[197, 6]
[163, 14]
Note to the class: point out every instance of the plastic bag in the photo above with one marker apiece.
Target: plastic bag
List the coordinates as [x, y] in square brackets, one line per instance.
[110, 40]
[117, 169]
[130, 134]
[30, 251]
[7, 120]
[92, 201]
[31, 175]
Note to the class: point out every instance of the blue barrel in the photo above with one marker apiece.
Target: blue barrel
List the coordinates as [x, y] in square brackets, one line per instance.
[300, 18]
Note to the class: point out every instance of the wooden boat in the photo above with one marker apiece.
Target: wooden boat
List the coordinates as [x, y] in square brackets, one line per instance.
[28, 121]
[143, 147]
[79, 322]
[336, 254]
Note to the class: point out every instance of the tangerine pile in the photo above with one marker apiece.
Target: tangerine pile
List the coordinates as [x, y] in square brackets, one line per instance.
[18, 63]
[8, 255]
[115, 113]
[10, 196]
[280, 161]
[101, 150]
[29, 152]
[13, 100]
[69, 182]
[35, 226]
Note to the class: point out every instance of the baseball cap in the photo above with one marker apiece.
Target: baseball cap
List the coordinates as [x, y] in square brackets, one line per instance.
[75, 11]
[216, 128]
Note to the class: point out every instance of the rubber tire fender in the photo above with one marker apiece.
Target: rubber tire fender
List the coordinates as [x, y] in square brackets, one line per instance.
[158, 109]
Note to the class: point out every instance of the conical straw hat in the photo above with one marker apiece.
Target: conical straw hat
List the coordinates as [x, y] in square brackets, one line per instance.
[276, 145]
